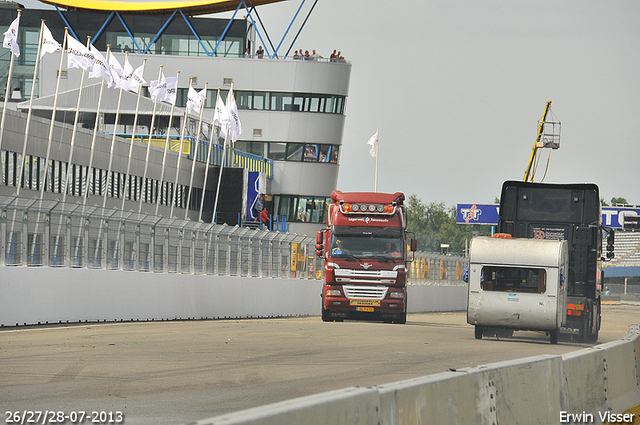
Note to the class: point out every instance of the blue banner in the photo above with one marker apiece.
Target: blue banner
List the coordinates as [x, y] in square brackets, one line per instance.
[253, 191]
[477, 214]
[614, 216]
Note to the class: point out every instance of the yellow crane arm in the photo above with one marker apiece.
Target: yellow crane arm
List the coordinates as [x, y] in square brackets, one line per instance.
[527, 174]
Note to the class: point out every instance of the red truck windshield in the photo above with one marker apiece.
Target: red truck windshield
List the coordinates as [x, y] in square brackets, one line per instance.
[368, 245]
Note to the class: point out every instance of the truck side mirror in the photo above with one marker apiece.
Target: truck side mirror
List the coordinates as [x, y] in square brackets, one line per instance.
[414, 244]
[319, 243]
[610, 243]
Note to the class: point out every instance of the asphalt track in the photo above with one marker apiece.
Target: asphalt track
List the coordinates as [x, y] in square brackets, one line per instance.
[178, 372]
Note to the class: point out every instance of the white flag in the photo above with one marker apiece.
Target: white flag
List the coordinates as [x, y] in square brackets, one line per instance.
[11, 37]
[136, 78]
[100, 68]
[49, 44]
[78, 56]
[172, 90]
[221, 116]
[195, 99]
[128, 70]
[235, 127]
[120, 77]
[157, 88]
[373, 142]
[164, 89]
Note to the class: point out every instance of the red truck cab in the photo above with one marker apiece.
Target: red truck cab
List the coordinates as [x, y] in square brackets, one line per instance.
[365, 252]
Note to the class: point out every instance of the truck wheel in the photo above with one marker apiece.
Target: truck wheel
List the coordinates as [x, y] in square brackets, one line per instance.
[596, 327]
[584, 331]
[554, 336]
[478, 331]
[594, 336]
[326, 317]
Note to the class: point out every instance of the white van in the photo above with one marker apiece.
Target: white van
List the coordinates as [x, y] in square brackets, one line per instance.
[517, 284]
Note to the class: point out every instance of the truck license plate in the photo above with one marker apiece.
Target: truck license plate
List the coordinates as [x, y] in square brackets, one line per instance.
[373, 303]
[369, 309]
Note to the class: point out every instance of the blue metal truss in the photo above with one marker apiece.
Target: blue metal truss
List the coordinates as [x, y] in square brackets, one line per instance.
[274, 50]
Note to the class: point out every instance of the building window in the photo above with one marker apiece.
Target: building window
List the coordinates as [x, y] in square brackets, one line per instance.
[277, 151]
[302, 209]
[295, 151]
[311, 153]
[269, 101]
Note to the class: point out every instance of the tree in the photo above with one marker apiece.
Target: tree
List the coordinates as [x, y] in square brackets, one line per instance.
[435, 224]
[615, 201]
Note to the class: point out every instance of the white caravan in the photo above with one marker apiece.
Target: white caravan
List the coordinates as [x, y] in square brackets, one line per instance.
[517, 284]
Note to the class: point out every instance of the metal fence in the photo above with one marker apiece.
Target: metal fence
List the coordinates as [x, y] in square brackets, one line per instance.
[50, 233]
[434, 268]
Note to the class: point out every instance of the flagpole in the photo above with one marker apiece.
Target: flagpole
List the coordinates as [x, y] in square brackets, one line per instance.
[373, 142]
[85, 193]
[184, 127]
[167, 147]
[53, 118]
[375, 184]
[26, 130]
[195, 150]
[73, 133]
[135, 122]
[6, 91]
[208, 160]
[6, 95]
[127, 176]
[65, 181]
[44, 168]
[224, 151]
[146, 161]
[111, 152]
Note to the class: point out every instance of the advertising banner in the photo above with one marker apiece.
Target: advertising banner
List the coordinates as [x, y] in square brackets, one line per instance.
[477, 214]
[256, 185]
[614, 216]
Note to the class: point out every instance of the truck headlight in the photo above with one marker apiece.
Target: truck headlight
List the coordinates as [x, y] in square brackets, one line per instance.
[397, 295]
[333, 292]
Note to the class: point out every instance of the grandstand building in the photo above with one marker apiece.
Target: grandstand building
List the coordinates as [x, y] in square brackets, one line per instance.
[292, 114]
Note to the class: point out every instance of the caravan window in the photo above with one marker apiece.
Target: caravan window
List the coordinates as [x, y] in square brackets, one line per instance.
[514, 279]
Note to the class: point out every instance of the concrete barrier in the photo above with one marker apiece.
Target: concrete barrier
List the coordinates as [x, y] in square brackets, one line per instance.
[478, 395]
[349, 406]
[621, 380]
[586, 386]
[435, 399]
[33, 295]
[428, 298]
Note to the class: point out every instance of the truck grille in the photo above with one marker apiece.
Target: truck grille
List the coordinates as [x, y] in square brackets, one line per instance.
[380, 277]
[365, 292]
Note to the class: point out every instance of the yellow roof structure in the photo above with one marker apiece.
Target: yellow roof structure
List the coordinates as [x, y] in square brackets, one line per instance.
[192, 7]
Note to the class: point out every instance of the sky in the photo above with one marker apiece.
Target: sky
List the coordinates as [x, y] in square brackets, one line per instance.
[456, 88]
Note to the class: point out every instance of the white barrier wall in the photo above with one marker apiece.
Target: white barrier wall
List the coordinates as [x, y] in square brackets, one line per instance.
[424, 298]
[587, 386]
[32, 295]
[43, 294]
